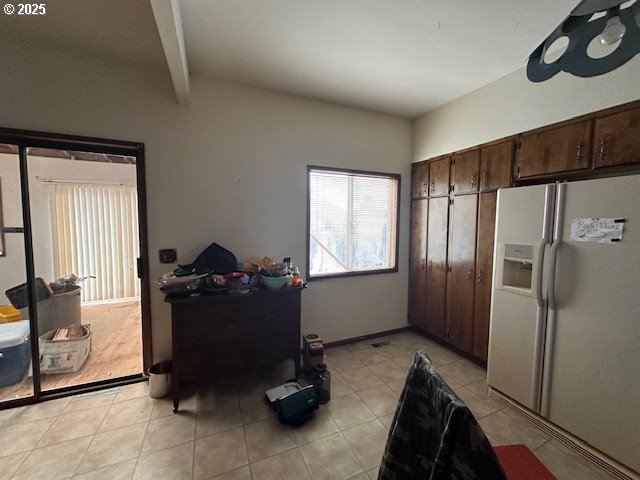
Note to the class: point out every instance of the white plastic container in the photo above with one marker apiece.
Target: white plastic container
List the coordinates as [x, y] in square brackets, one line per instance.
[64, 356]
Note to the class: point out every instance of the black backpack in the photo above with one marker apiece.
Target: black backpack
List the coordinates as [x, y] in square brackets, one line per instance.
[213, 259]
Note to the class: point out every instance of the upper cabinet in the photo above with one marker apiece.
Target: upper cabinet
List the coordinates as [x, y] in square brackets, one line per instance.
[554, 150]
[420, 180]
[495, 166]
[439, 174]
[615, 139]
[465, 172]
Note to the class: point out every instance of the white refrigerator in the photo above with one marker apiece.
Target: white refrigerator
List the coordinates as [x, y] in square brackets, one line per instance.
[565, 315]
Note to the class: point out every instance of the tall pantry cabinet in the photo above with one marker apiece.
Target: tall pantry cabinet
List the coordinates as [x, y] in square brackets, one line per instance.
[453, 219]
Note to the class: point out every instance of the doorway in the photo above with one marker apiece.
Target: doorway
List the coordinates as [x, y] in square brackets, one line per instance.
[74, 242]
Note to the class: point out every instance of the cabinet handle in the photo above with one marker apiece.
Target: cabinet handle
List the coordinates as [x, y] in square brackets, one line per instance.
[579, 154]
[474, 179]
[603, 143]
[485, 178]
[480, 275]
[430, 265]
[425, 188]
[470, 274]
[433, 187]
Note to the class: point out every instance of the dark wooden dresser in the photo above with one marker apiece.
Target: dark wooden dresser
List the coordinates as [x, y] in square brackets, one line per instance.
[214, 333]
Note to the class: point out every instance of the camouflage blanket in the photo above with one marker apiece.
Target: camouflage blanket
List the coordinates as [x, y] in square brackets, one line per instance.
[434, 435]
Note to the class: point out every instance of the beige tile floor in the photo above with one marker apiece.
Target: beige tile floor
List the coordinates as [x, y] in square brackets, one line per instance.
[226, 431]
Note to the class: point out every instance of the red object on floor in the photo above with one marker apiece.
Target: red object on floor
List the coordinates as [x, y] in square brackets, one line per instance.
[519, 463]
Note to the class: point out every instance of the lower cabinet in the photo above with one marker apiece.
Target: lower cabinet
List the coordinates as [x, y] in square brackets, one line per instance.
[418, 262]
[484, 274]
[461, 274]
[436, 284]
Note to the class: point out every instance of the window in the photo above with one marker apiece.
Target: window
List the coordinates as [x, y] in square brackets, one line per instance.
[353, 222]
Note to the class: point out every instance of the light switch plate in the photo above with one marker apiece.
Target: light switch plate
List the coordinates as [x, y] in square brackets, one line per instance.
[168, 255]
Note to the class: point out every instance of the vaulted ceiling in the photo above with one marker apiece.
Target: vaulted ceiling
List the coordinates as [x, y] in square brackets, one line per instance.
[403, 57]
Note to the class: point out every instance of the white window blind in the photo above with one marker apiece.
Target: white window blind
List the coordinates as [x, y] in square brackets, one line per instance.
[352, 222]
[95, 232]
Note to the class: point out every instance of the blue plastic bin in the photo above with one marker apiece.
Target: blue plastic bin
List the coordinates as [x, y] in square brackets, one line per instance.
[15, 351]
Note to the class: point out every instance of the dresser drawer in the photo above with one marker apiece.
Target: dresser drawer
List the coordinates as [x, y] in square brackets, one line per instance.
[257, 354]
[233, 327]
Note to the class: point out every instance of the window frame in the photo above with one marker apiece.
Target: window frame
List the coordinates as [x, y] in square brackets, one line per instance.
[365, 173]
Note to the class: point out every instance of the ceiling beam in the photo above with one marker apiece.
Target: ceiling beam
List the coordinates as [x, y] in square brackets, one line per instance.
[169, 21]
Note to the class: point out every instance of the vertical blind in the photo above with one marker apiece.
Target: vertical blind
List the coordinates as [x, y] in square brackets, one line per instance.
[352, 222]
[95, 232]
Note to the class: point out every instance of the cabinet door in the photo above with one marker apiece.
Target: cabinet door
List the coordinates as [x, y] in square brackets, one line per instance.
[465, 171]
[437, 265]
[615, 141]
[495, 166]
[420, 180]
[439, 177]
[418, 262]
[561, 149]
[461, 276]
[484, 273]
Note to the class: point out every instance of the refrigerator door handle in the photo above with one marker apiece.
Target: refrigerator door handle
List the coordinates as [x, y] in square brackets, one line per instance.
[547, 230]
[541, 316]
[541, 297]
[557, 241]
[551, 282]
[545, 400]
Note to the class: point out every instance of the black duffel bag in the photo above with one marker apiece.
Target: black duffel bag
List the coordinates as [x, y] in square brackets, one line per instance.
[213, 259]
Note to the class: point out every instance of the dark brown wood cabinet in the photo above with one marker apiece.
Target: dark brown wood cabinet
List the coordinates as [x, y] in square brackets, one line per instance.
[465, 172]
[439, 174]
[616, 139]
[229, 332]
[495, 166]
[436, 285]
[462, 208]
[461, 276]
[420, 180]
[418, 262]
[484, 273]
[453, 286]
[553, 150]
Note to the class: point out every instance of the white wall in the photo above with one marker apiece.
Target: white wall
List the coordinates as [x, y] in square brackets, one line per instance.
[12, 265]
[230, 168]
[513, 104]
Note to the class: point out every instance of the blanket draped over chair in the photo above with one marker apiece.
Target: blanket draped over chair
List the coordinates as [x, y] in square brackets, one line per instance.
[434, 435]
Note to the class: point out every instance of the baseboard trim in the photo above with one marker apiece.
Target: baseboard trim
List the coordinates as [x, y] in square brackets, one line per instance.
[589, 453]
[362, 338]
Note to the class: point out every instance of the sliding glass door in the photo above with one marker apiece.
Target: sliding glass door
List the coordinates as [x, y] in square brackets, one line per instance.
[84, 215]
[82, 263]
[16, 375]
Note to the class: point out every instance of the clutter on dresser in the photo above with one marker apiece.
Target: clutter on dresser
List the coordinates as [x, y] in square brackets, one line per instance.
[216, 270]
